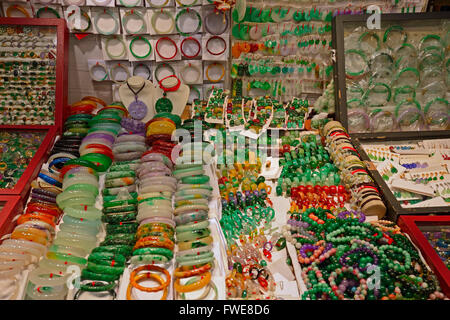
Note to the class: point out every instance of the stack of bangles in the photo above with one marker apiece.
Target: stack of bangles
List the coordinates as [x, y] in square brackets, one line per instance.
[195, 258]
[155, 236]
[106, 263]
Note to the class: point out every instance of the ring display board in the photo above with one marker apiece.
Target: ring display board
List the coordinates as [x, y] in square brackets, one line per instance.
[428, 233]
[22, 153]
[394, 80]
[33, 64]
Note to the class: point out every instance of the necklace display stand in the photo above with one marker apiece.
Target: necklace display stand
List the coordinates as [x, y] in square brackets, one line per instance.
[145, 97]
[178, 98]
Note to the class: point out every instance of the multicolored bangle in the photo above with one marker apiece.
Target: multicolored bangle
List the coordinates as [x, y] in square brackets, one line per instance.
[47, 9]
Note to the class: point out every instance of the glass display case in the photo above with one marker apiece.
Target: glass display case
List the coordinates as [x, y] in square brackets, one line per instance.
[22, 152]
[394, 79]
[431, 235]
[10, 206]
[412, 174]
[33, 72]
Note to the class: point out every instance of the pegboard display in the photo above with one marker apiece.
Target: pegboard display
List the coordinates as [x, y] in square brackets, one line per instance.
[283, 49]
[181, 37]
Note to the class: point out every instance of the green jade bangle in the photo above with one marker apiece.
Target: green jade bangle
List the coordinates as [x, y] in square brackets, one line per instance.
[47, 9]
[105, 269]
[108, 258]
[96, 286]
[394, 28]
[195, 180]
[427, 107]
[130, 227]
[134, 13]
[154, 251]
[375, 90]
[196, 256]
[362, 55]
[89, 275]
[124, 250]
[188, 11]
[404, 90]
[369, 34]
[84, 187]
[401, 103]
[427, 38]
[409, 69]
[110, 14]
[120, 174]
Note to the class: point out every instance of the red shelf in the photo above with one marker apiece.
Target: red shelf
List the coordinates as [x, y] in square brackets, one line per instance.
[409, 224]
[12, 207]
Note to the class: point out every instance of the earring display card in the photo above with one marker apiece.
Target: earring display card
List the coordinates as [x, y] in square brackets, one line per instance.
[411, 183]
[393, 79]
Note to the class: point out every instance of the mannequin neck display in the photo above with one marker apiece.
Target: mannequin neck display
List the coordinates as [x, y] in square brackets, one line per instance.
[145, 92]
[178, 97]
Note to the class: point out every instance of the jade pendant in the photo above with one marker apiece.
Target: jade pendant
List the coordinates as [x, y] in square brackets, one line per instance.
[163, 105]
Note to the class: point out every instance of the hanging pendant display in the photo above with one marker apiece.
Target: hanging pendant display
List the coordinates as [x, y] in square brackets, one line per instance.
[137, 109]
[163, 105]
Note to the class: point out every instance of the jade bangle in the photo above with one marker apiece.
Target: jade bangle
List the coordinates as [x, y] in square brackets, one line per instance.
[111, 14]
[188, 11]
[372, 34]
[117, 56]
[192, 226]
[394, 28]
[154, 251]
[96, 286]
[86, 212]
[362, 55]
[193, 257]
[66, 257]
[137, 38]
[196, 261]
[124, 250]
[397, 108]
[107, 258]
[137, 14]
[148, 258]
[155, 17]
[89, 275]
[193, 235]
[195, 180]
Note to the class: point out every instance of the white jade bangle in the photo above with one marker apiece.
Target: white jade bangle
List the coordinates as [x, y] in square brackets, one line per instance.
[192, 191]
[41, 248]
[57, 266]
[153, 213]
[98, 65]
[129, 3]
[113, 78]
[165, 179]
[17, 248]
[189, 173]
[143, 207]
[182, 186]
[36, 278]
[11, 264]
[74, 2]
[190, 207]
[26, 258]
[156, 203]
[150, 195]
[157, 187]
[190, 66]
[146, 182]
[101, 3]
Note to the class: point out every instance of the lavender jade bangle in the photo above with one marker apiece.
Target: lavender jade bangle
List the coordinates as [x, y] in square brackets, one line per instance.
[127, 156]
[100, 135]
[130, 138]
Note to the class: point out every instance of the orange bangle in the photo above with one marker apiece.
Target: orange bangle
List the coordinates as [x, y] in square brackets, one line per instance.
[36, 216]
[149, 267]
[143, 276]
[25, 235]
[181, 273]
[152, 241]
[18, 8]
[221, 76]
[84, 102]
[204, 280]
[95, 99]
